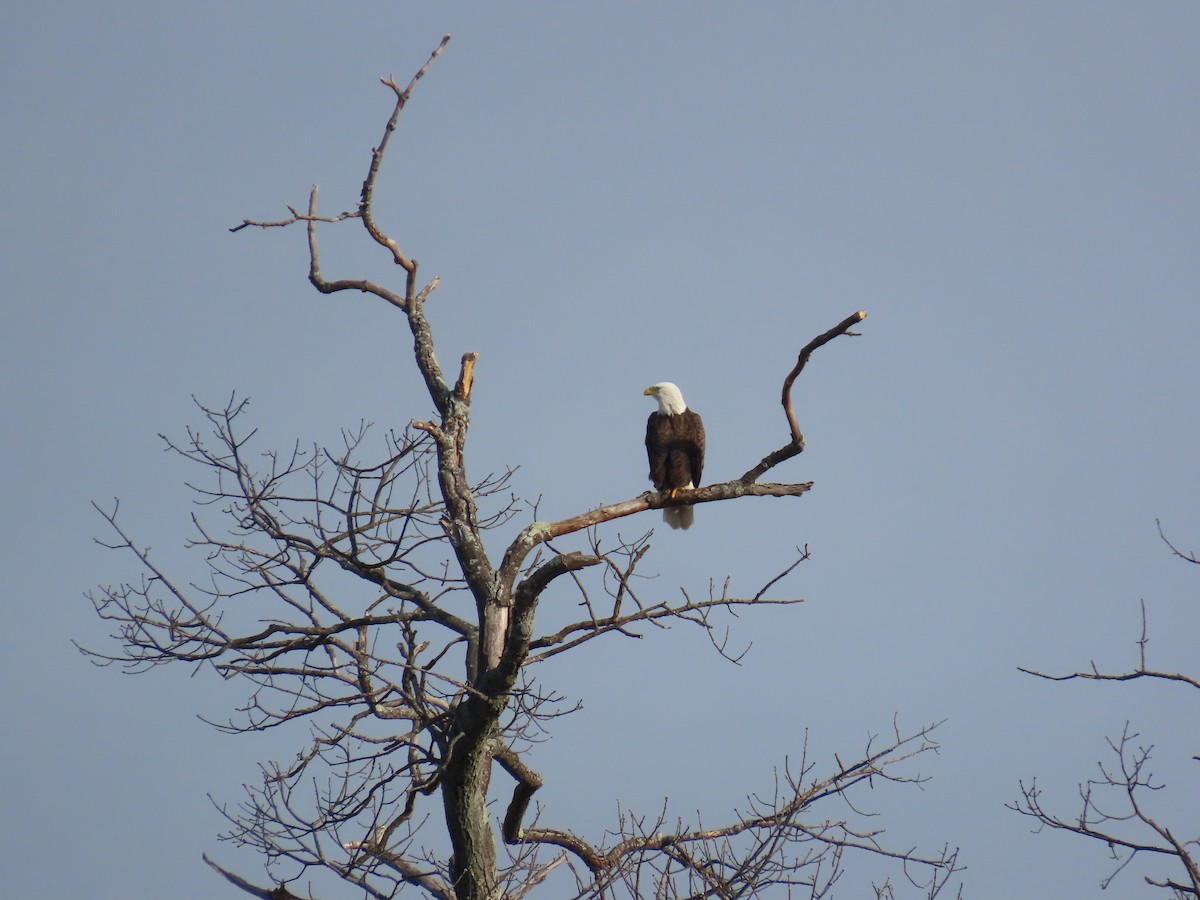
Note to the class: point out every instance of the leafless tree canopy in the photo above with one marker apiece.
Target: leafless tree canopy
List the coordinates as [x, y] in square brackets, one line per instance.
[1117, 806]
[350, 590]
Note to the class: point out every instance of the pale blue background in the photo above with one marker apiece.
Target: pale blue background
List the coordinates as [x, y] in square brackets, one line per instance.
[615, 195]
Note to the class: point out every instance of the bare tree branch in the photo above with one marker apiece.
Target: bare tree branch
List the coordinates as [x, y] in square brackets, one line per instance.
[718, 860]
[1094, 674]
[297, 217]
[841, 328]
[277, 893]
[1187, 557]
[1113, 806]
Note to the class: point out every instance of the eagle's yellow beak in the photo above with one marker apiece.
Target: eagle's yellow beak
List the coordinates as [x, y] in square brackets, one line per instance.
[648, 392]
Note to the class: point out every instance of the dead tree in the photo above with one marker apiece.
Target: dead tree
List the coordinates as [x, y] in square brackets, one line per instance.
[1116, 807]
[359, 598]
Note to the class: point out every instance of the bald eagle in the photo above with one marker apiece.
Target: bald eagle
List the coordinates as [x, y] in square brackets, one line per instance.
[675, 448]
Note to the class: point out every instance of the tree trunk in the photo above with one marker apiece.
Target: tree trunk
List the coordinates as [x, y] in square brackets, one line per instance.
[464, 795]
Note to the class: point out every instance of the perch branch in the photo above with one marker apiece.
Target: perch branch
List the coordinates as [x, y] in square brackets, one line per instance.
[540, 532]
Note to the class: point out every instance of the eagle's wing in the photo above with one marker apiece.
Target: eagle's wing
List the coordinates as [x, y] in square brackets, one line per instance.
[695, 432]
[656, 449]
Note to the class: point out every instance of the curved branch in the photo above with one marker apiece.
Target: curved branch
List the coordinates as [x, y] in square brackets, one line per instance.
[518, 633]
[1186, 557]
[841, 328]
[343, 284]
[365, 210]
[368, 189]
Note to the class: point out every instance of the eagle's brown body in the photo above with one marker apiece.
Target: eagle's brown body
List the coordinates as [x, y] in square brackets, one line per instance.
[675, 448]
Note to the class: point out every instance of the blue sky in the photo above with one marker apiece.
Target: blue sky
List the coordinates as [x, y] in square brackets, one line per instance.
[617, 195]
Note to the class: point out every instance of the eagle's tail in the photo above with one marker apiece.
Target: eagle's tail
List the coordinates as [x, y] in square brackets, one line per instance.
[679, 516]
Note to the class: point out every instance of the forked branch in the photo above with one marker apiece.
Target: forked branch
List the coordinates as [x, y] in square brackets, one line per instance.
[1094, 674]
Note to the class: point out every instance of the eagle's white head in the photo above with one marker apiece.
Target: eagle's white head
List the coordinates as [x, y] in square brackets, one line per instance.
[670, 400]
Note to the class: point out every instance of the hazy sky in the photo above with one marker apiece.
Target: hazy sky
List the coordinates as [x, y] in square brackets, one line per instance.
[614, 195]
